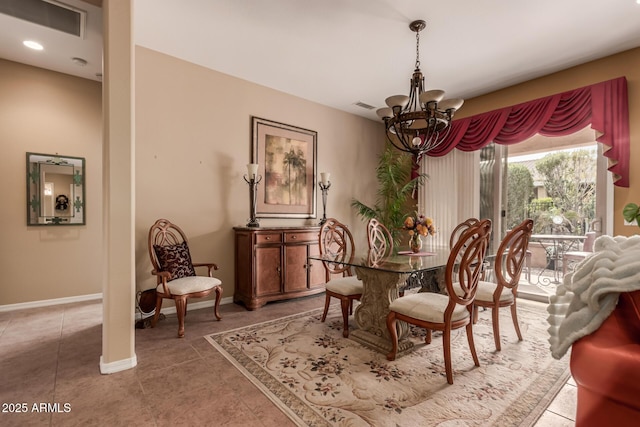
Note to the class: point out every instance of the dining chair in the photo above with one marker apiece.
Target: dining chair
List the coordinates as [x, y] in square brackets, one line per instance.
[175, 273]
[509, 261]
[379, 238]
[460, 229]
[576, 256]
[434, 311]
[380, 242]
[336, 242]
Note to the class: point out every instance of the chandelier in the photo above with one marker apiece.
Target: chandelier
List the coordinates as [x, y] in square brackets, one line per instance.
[421, 121]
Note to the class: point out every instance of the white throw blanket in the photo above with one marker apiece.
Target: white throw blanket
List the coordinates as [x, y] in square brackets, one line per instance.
[590, 294]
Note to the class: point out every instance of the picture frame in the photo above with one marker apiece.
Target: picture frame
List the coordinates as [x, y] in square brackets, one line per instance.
[286, 158]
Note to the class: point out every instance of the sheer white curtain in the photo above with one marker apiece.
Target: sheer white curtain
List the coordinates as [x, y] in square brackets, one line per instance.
[452, 192]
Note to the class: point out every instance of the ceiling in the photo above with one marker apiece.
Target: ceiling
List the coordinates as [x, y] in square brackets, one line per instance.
[341, 52]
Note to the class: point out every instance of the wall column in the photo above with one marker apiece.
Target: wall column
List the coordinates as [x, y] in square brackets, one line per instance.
[118, 333]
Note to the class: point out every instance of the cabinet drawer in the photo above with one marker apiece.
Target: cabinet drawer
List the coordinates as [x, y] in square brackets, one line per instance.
[268, 238]
[302, 236]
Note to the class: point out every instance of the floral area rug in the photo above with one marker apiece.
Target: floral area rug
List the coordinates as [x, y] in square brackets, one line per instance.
[319, 378]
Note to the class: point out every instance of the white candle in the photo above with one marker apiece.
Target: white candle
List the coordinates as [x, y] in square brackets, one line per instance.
[324, 176]
[252, 170]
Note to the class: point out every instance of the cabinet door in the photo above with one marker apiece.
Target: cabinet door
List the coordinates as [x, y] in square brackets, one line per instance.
[268, 271]
[296, 262]
[317, 274]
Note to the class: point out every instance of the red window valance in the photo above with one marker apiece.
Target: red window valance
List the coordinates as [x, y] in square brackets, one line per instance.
[603, 105]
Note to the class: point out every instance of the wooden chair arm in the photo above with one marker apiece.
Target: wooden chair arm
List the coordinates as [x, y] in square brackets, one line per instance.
[210, 266]
[163, 277]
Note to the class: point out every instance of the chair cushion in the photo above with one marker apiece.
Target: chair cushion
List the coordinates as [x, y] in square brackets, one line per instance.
[427, 306]
[349, 285]
[189, 285]
[486, 289]
[175, 259]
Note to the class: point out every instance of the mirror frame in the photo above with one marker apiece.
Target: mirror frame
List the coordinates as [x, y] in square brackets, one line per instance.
[35, 190]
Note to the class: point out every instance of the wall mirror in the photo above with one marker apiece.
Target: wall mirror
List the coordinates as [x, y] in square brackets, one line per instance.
[55, 190]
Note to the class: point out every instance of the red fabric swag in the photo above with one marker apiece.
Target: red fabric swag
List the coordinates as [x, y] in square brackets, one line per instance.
[603, 105]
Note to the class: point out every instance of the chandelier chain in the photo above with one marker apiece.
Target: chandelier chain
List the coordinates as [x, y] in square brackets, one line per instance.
[417, 49]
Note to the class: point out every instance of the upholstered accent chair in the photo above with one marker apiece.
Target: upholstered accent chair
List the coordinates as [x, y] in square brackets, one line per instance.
[175, 272]
[336, 242]
[434, 311]
[606, 368]
[510, 258]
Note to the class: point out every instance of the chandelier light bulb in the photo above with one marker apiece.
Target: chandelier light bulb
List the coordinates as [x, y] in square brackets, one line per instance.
[416, 141]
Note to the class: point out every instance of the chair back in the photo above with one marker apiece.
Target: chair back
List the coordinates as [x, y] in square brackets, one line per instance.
[465, 265]
[164, 233]
[460, 229]
[589, 240]
[379, 238]
[511, 255]
[336, 242]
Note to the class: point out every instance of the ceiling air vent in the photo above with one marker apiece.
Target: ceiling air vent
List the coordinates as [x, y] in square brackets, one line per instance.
[48, 13]
[363, 105]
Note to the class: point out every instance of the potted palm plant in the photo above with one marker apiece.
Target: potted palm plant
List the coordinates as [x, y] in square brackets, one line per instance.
[394, 194]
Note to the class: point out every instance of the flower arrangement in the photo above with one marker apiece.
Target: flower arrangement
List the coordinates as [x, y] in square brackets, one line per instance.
[420, 225]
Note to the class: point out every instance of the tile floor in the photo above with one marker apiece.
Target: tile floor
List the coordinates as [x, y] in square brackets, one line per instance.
[51, 355]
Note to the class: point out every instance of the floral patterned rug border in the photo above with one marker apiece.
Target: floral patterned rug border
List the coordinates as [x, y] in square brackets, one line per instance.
[319, 378]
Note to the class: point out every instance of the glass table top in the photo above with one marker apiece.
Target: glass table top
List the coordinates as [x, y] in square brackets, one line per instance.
[401, 262]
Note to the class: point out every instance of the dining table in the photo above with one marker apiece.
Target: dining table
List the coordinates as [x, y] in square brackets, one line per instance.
[383, 277]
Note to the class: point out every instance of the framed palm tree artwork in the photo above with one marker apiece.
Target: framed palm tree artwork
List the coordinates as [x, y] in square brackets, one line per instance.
[286, 158]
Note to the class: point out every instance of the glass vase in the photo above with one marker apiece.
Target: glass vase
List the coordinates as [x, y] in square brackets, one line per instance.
[415, 243]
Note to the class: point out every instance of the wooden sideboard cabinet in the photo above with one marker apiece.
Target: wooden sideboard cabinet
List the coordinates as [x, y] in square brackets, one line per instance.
[272, 264]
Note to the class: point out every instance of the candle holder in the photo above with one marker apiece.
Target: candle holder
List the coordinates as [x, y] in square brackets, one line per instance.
[253, 182]
[324, 186]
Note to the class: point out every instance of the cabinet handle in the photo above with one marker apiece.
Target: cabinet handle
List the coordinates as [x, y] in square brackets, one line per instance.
[279, 270]
[268, 238]
[293, 237]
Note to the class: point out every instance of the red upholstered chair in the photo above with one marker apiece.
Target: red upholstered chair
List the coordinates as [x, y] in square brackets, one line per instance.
[606, 368]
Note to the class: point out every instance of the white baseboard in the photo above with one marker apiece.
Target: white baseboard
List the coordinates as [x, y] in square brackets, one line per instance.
[48, 302]
[118, 365]
[91, 297]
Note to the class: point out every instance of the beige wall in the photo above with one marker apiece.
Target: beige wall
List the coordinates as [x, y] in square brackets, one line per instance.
[624, 64]
[193, 134]
[193, 141]
[47, 112]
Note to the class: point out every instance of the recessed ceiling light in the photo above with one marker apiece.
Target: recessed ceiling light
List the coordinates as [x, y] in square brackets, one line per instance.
[33, 45]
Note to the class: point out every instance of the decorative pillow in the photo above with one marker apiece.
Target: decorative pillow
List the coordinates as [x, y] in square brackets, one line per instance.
[175, 259]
